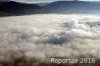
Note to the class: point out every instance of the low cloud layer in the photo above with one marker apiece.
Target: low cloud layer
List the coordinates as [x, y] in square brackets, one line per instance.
[49, 35]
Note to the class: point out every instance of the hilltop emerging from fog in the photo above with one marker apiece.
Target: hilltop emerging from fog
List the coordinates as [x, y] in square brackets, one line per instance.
[16, 8]
[73, 6]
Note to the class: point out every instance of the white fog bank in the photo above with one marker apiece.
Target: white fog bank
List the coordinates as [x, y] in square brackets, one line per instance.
[49, 35]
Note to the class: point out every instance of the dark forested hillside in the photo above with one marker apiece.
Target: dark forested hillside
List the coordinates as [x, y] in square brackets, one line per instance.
[15, 8]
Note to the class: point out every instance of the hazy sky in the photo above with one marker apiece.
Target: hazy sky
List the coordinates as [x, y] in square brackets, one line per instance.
[35, 1]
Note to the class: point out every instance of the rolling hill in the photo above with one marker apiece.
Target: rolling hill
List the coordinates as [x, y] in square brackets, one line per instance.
[16, 8]
[73, 6]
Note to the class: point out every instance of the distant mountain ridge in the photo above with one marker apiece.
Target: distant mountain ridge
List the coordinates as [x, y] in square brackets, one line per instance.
[62, 6]
[16, 8]
[19, 8]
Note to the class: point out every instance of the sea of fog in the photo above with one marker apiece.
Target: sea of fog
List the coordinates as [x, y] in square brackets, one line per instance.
[41, 36]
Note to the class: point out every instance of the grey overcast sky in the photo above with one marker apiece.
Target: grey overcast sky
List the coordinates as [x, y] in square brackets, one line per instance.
[36, 1]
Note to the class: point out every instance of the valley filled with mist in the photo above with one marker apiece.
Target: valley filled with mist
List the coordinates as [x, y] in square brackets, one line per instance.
[33, 33]
[33, 39]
